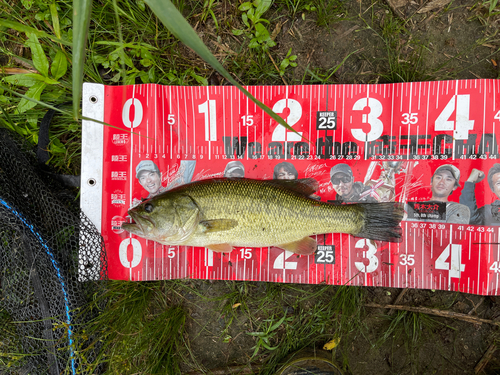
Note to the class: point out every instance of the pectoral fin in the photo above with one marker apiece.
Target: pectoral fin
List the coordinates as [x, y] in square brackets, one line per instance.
[218, 225]
[305, 246]
[220, 248]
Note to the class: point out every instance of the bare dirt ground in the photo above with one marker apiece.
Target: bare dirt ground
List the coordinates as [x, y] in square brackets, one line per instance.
[380, 41]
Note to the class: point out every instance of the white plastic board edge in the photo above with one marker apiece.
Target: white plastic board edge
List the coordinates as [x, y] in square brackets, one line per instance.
[91, 168]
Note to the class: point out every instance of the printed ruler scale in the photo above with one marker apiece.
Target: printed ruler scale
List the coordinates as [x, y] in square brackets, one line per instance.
[394, 137]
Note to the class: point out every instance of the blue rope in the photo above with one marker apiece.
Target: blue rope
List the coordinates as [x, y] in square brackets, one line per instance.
[59, 275]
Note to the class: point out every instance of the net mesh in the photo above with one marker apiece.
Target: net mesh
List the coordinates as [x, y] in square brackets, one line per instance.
[44, 284]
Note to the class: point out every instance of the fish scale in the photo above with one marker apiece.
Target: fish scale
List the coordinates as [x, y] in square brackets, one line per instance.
[267, 214]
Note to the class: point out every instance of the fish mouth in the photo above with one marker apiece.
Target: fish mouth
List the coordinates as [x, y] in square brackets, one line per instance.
[136, 226]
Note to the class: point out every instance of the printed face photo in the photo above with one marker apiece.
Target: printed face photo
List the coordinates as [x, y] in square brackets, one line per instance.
[235, 173]
[443, 184]
[342, 184]
[285, 175]
[150, 181]
[496, 184]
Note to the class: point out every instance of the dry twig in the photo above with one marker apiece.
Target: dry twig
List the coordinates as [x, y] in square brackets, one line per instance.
[486, 358]
[443, 313]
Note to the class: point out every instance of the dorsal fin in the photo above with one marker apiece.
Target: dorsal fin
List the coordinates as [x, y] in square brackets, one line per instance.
[304, 186]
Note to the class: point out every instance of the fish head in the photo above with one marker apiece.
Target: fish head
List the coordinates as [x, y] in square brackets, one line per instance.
[166, 218]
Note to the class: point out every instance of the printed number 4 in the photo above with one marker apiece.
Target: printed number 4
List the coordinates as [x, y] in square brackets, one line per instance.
[495, 267]
[454, 266]
[462, 124]
[368, 254]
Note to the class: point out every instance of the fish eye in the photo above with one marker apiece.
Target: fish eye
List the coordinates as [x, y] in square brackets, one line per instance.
[148, 207]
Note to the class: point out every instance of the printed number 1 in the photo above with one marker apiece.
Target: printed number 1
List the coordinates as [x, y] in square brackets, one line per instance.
[209, 110]
[454, 266]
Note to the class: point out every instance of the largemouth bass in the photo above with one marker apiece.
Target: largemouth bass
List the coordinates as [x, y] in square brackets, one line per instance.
[222, 213]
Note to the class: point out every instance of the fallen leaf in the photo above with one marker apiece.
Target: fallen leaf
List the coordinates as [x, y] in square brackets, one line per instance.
[236, 305]
[332, 344]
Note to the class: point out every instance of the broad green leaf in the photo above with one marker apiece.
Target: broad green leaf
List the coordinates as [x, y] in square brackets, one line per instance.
[178, 26]
[244, 17]
[237, 32]
[55, 19]
[59, 65]
[27, 3]
[81, 21]
[40, 61]
[245, 6]
[28, 79]
[262, 8]
[30, 30]
[33, 92]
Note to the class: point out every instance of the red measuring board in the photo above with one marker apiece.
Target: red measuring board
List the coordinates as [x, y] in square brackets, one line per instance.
[400, 142]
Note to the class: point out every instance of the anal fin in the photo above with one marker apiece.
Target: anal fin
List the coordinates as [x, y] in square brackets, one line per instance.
[305, 246]
[220, 248]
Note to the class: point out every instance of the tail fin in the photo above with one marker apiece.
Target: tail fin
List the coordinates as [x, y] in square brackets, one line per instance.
[382, 221]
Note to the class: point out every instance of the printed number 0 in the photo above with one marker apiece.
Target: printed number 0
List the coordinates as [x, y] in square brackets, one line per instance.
[376, 126]
[126, 113]
[369, 254]
[280, 133]
[136, 252]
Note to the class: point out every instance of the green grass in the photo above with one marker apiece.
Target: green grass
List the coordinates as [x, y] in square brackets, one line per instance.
[142, 326]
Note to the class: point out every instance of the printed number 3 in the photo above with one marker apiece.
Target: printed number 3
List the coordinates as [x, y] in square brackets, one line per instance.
[377, 127]
[368, 254]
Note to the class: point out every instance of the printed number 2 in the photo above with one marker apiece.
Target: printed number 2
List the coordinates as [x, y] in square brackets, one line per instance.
[280, 134]
[281, 263]
[462, 124]
[454, 266]
[368, 254]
